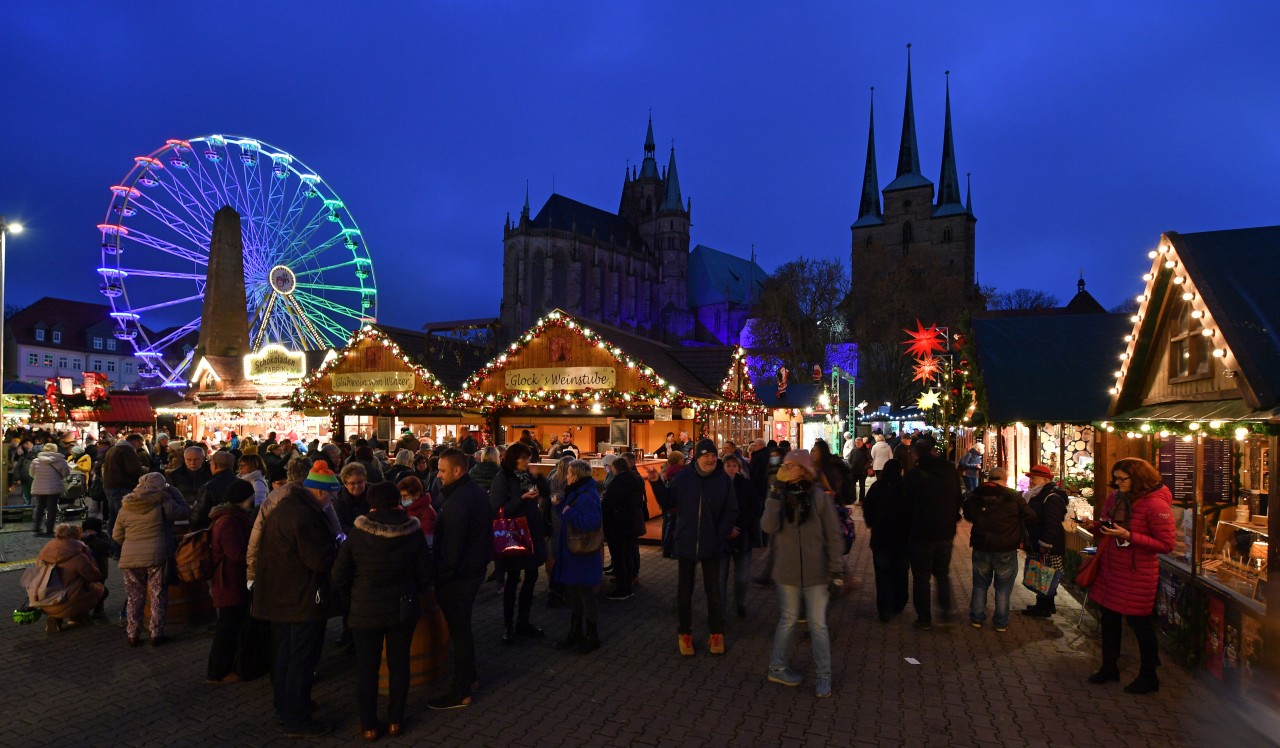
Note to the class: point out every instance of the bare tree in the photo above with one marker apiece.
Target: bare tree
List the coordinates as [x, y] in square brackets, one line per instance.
[799, 310]
[1021, 298]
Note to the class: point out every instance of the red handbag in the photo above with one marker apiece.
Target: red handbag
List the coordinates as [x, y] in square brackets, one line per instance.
[511, 537]
[1089, 569]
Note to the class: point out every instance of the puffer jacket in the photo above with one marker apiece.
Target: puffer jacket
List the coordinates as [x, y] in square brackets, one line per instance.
[144, 527]
[260, 487]
[998, 515]
[506, 494]
[705, 507]
[1130, 575]
[808, 553]
[47, 471]
[79, 574]
[1049, 509]
[384, 557]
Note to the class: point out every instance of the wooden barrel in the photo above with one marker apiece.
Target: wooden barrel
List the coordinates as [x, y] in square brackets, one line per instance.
[189, 604]
[429, 652]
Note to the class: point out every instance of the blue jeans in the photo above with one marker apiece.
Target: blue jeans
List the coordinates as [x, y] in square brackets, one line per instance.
[815, 606]
[1003, 567]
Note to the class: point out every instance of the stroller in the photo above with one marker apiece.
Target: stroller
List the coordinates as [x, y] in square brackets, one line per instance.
[71, 505]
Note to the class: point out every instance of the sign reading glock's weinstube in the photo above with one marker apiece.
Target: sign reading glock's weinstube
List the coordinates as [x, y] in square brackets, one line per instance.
[372, 381]
[569, 378]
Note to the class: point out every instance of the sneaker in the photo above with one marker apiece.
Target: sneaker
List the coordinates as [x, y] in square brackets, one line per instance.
[449, 702]
[716, 644]
[312, 728]
[922, 626]
[786, 676]
[619, 595]
[1001, 629]
[976, 624]
[686, 645]
[823, 690]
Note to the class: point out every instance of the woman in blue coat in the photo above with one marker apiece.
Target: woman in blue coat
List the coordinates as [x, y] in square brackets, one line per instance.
[580, 573]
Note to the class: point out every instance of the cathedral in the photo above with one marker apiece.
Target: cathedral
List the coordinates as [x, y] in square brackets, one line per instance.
[917, 249]
[632, 269]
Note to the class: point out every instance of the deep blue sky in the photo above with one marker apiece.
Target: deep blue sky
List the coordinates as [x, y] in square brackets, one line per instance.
[1089, 128]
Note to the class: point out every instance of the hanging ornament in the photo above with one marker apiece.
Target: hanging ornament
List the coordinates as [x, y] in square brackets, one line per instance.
[928, 399]
[927, 369]
[923, 341]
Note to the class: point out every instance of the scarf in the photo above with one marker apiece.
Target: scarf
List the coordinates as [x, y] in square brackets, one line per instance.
[1122, 508]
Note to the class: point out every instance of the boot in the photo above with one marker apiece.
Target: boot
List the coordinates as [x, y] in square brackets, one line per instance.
[1108, 672]
[590, 642]
[52, 625]
[1146, 682]
[575, 634]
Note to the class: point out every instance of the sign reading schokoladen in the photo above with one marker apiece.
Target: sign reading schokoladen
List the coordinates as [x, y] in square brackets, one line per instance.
[567, 378]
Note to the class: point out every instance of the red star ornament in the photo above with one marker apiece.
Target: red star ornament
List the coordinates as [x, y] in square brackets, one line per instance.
[927, 369]
[923, 341]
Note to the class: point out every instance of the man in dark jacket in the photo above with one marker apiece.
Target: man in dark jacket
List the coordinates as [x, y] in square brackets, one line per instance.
[291, 589]
[210, 493]
[932, 493]
[463, 549]
[998, 515]
[1048, 504]
[622, 509]
[859, 465]
[191, 474]
[121, 470]
[705, 505]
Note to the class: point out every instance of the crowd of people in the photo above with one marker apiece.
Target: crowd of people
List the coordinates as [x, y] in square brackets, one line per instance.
[299, 534]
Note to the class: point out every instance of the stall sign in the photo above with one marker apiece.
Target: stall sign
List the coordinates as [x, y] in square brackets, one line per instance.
[568, 378]
[662, 414]
[686, 414]
[275, 363]
[372, 381]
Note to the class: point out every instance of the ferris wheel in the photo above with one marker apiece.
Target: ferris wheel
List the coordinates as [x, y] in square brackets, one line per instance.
[308, 278]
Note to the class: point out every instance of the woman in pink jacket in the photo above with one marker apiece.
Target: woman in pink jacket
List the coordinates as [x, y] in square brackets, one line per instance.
[1137, 525]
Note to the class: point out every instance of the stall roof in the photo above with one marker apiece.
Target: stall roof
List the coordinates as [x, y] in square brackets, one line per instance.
[1027, 381]
[665, 360]
[450, 361]
[1204, 410]
[121, 410]
[18, 387]
[710, 364]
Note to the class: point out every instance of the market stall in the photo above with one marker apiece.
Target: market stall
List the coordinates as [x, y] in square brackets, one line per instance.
[380, 385]
[1197, 393]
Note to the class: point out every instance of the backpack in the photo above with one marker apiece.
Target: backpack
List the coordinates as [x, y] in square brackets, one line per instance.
[43, 584]
[847, 527]
[193, 557]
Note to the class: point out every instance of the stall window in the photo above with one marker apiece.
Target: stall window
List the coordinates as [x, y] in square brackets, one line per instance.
[1188, 348]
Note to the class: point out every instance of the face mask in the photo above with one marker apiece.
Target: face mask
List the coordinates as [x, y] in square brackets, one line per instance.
[775, 460]
[406, 502]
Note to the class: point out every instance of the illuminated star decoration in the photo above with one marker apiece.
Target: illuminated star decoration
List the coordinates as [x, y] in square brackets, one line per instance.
[924, 341]
[927, 369]
[929, 399]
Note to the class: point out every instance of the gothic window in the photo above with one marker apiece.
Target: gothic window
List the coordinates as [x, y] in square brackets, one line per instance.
[946, 234]
[906, 232]
[1188, 348]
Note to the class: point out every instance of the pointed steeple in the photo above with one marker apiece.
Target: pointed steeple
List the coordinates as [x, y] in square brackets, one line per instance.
[948, 181]
[869, 207]
[909, 174]
[671, 201]
[968, 193]
[649, 167]
[524, 212]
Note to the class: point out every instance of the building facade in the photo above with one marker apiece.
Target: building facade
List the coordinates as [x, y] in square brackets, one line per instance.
[629, 269]
[919, 245]
[64, 338]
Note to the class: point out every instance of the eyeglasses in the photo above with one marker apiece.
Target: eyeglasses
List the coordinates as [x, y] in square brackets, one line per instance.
[353, 483]
[1120, 479]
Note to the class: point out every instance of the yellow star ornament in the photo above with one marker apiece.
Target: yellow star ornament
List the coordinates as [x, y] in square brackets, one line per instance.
[927, 400]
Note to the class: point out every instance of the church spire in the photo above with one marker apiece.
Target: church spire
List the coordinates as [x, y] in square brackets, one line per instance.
[869, 207]
[524, 212]
[671, 201]
[948, 181]
[649, 168]
[909, 174]
[968, 193]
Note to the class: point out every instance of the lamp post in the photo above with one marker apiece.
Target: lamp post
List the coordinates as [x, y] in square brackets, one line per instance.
[6, 228]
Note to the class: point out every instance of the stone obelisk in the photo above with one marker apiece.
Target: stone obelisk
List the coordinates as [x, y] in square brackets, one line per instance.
[224, 326]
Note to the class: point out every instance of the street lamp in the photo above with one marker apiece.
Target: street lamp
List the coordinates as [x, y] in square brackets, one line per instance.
[6, 228]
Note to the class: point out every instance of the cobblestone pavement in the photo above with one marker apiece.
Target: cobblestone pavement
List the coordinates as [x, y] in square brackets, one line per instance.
[971, 687]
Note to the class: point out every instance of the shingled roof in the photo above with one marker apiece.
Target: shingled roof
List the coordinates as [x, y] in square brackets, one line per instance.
[716, 277]
[566, 214]
[451, 361]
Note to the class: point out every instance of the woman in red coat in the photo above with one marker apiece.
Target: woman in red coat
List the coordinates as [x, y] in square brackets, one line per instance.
[231, 523]
[1137, 522]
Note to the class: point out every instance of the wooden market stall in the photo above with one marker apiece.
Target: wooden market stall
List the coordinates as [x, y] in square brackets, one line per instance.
[380, 384]
[1198, 394]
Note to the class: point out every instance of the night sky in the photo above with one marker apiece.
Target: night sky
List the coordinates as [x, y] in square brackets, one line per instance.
[1089, 127]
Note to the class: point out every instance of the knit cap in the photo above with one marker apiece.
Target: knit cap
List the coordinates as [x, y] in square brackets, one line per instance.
[321, 477]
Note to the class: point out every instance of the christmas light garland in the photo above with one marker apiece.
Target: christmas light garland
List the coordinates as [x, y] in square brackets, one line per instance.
[304, 397]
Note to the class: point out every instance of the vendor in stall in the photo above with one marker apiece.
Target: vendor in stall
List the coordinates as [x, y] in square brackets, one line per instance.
[565, 447]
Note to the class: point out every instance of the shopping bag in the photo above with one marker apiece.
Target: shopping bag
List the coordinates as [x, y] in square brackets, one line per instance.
[511, 537]
[1039, 577]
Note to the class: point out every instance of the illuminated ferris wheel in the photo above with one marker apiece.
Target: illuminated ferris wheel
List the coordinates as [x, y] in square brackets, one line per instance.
[308, 278]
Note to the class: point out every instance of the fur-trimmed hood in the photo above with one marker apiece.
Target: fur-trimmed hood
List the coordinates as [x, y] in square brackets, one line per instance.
[396, 523]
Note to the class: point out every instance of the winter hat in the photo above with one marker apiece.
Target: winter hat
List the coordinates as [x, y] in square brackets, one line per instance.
[276, 472]
[799, 457]
[705, 446]
[321, 477]
[50, 447]
[77, 451]
[151, 483]
[238, 491]
[1040, 471]
[383, 495]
